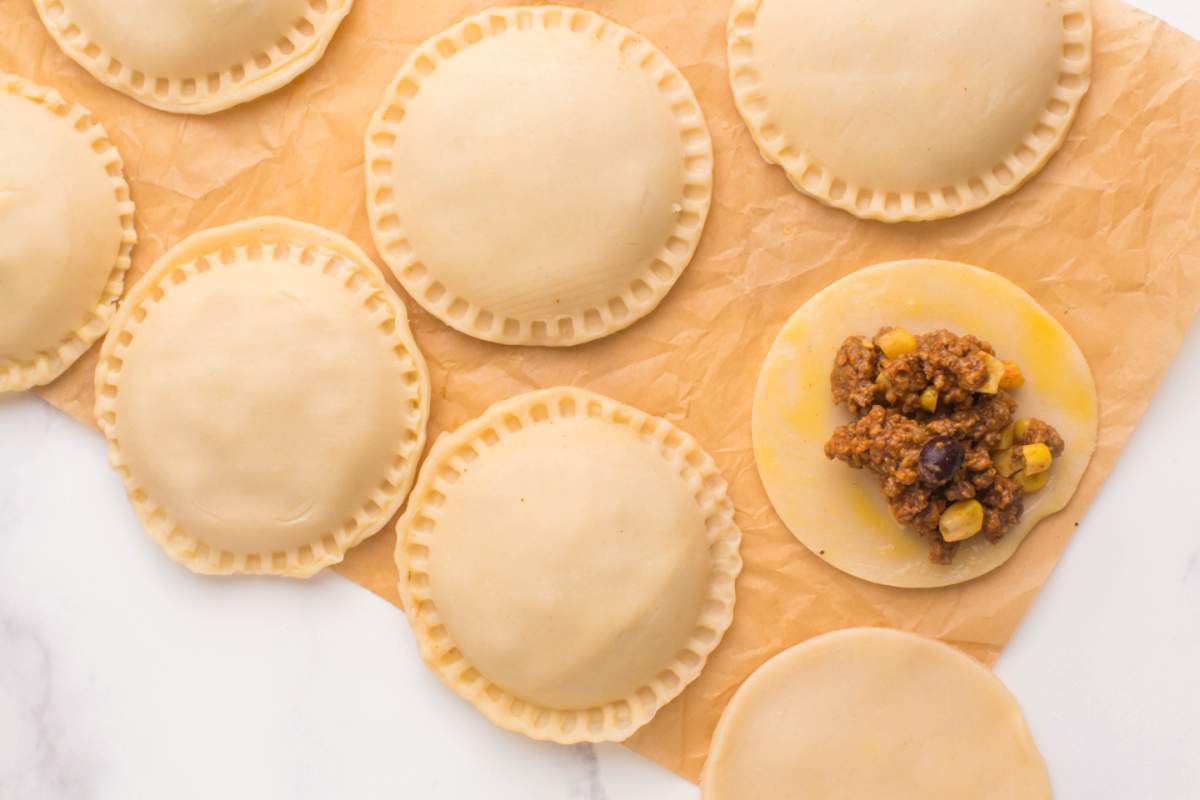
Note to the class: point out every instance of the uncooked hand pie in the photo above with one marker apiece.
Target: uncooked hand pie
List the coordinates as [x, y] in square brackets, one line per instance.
[872, 713]
[538, 176]
[914, 421]
[66, 233]
[263, 399]
[909, 110]
[567, 563]
[192, 57]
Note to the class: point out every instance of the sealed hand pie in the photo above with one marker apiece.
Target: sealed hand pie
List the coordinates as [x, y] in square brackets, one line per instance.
[538, 176]
[872, 713]
[263, 399]
[66, 233]
[193, 57]
[567, 563]
[914, 421]
[909, 110]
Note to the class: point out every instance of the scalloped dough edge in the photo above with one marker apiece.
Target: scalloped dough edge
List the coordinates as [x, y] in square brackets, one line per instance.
[295, 51]
[49, 364]
[319, 249]
[613, 721]
[1026, 159]
[638, 299]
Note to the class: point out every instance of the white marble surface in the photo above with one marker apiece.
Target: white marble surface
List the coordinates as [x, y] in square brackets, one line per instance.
[123, 676]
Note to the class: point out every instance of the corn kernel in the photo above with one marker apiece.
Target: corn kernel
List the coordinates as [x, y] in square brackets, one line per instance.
[1012, 378]
[995, 372]
[1020, 428]
[1006, 438]
[961, 521]
[896, 342]
[1037, 458]
[1032, 483]
[929, 399]
[1005, 463]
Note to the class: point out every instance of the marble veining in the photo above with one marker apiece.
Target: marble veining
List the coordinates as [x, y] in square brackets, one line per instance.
[123, 677]
[586, 784]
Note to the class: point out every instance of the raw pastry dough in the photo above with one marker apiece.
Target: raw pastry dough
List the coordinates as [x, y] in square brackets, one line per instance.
[909, 110]
[538, 176]
[263, 399]
[873, 713]
[840, 513]
[192, 56]
[567, 563]
[66, 233]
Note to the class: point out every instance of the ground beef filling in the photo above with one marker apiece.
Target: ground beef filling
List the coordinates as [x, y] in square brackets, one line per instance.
[933, 418]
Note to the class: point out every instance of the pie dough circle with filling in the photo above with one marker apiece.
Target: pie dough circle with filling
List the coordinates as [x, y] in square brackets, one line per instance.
[538, 176]
[909, 111]
[193, 57]
[66, 233]
[868, 712]
[263, 399]
[567, 564]
[839, 513]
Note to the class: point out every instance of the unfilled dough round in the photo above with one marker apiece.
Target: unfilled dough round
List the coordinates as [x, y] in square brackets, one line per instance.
[567, 564]
[872, 713]
[839, 513]
[263, 399]
[538, 176]
[909, 110]
[193, 56]
[66, 233]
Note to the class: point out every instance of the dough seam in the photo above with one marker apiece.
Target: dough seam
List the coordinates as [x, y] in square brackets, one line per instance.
[294, 52]
[644, 293]
[52, 362]
[612, 721]
[342, 260]
[813, 179]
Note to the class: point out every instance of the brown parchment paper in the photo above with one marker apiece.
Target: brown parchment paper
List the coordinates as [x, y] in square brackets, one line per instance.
[1107, 238]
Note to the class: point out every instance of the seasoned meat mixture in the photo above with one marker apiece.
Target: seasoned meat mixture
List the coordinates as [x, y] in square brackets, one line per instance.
[935, 421]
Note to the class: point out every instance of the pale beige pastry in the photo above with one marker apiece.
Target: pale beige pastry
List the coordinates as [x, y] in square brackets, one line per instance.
[872, 713]
[839, 513]
[567, 564]
[66, 232]
[538, 176]
[909, 110]
[263, 399]
[193, 56]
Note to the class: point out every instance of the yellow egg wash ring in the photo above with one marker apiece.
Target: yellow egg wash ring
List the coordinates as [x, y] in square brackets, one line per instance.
[839, 513]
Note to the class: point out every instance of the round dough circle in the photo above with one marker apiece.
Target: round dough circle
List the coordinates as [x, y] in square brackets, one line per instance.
[538, 176]
[868, 712]
[909, 111]
[567, 564]
[66, 233]
[193, 57]
[263, 399]
[839, 512]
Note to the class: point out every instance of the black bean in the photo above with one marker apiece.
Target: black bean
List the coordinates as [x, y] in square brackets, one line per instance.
[940, 459]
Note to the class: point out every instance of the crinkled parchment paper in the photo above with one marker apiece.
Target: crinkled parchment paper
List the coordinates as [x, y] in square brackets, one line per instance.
[1107, 238]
